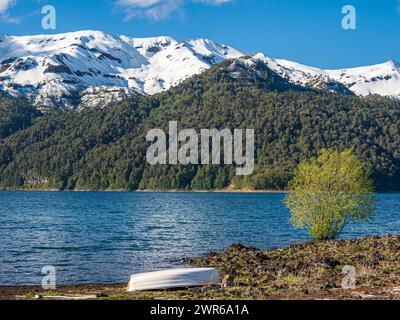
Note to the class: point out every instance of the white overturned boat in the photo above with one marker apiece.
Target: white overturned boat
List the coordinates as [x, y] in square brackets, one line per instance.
[173, 279]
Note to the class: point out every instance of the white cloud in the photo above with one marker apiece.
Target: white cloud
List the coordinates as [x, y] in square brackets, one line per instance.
[5, 5]
[215, 1]
[139, 3]
[158, 9]
[153, 9]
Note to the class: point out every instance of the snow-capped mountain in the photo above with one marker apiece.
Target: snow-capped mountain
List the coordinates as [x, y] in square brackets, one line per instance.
[382, 79]
[92, 68]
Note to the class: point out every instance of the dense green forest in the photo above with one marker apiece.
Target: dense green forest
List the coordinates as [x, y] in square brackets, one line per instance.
[15, 115]
[105, 148]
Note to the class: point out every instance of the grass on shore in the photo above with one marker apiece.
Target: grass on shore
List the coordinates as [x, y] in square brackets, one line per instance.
[307, 271]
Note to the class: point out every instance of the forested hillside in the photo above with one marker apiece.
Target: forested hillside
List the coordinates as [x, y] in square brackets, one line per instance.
[15, 115]
[105, 148]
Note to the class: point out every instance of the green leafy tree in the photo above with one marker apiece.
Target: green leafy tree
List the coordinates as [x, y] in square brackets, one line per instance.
[330, 191]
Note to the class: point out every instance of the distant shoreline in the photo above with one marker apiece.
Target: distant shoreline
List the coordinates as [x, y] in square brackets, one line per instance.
[148, 191]
[167, 191]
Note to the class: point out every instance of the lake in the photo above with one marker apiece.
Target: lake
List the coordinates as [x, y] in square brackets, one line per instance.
[95, 237]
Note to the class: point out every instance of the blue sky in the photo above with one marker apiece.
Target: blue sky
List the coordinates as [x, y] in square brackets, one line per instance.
[307, 31]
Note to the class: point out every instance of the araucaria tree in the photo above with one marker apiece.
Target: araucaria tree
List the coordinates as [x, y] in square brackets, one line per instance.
[330, 191]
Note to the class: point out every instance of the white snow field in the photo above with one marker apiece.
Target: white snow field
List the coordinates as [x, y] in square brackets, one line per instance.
[93, 68]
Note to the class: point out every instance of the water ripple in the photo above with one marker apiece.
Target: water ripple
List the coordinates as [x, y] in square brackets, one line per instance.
[105, 237]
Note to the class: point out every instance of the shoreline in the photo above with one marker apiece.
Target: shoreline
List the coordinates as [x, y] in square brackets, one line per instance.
[243, 191]
[226, 190]
[149, 191]
[308, 271]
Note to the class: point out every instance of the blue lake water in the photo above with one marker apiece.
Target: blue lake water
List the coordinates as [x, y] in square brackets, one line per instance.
[105, 237]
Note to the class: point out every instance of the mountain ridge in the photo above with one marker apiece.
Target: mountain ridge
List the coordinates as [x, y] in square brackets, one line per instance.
[93, 68]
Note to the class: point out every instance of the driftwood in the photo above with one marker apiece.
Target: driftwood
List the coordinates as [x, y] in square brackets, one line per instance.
[74, 297]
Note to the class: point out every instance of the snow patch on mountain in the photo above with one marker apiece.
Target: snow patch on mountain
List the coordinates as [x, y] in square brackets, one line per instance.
[382, 79]
[93, 68]
[59, 69]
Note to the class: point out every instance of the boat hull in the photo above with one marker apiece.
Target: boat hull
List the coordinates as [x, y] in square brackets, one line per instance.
[173, 279]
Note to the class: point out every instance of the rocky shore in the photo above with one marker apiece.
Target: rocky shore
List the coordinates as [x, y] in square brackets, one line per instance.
[343, 269]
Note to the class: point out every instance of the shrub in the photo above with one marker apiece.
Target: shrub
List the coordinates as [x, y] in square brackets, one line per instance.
[330, 191]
